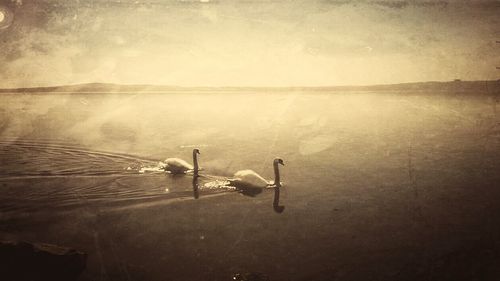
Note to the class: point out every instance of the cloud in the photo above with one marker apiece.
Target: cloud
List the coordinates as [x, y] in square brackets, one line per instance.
[247, 43]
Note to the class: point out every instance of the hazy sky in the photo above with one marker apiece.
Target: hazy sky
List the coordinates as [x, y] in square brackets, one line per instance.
[246, 43]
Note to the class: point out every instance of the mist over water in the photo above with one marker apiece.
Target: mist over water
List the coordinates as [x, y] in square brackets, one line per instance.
[358, 164]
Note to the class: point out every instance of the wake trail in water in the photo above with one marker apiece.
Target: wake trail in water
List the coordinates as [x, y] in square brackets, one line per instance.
[44, 159]
[47, 176]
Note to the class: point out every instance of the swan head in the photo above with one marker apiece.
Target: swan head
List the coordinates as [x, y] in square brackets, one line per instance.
[196, 151]
[279, 161]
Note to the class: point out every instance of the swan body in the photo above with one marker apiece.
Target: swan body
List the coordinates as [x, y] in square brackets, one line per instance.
[176, 165]
[179, 166]
[250, 178]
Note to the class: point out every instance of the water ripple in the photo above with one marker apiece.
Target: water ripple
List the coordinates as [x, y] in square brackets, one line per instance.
[44, 159]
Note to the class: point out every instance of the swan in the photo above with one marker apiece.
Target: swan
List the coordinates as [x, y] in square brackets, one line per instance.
[179, 166]
[250, 178]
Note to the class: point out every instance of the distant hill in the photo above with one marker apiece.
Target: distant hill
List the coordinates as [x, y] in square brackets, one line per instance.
[478, 87]
[91, 88]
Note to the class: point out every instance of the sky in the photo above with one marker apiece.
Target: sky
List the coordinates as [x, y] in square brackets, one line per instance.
[246, 43]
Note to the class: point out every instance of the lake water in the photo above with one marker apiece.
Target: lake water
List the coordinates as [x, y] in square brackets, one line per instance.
[376, 185]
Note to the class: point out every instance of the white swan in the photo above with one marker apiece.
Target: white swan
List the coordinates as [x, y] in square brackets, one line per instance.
[250, 178]
[179, 166]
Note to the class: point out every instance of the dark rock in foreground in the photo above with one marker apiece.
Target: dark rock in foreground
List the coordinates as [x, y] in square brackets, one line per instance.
[35, 261]
[250, 276]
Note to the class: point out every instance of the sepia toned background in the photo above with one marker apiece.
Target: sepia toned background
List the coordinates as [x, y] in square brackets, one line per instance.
[385, 114]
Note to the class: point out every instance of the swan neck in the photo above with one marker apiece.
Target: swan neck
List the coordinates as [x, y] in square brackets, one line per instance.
[276, 174]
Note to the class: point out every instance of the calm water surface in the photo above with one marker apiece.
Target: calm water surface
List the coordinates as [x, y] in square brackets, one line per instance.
[390, 186]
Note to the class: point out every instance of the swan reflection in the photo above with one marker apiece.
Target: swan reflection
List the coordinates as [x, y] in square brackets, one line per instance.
[244, 189]
[196, 193]
[276, 201]
[248, 190]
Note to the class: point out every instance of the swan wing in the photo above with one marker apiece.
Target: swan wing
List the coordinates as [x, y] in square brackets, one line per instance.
[177, 165]
[251, 177]
[177, 162]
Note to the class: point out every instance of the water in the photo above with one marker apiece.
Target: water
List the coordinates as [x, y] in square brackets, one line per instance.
[378, 186]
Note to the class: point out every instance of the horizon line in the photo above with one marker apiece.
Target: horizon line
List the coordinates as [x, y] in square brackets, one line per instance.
[239, 87]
